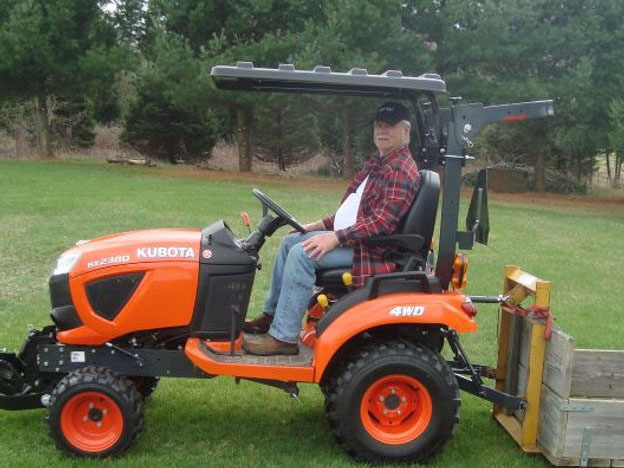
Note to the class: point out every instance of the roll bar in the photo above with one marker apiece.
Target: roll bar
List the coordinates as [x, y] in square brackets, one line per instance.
[458, 125]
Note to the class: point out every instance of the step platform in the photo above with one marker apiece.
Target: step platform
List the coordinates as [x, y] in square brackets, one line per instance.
[304, 358]
[295, 368]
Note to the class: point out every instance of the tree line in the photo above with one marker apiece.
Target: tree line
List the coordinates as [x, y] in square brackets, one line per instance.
[66, 65]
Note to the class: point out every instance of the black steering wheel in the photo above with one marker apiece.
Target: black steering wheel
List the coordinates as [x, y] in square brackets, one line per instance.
[278, 210]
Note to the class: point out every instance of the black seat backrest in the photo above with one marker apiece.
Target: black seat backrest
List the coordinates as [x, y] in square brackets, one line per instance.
[421, 217]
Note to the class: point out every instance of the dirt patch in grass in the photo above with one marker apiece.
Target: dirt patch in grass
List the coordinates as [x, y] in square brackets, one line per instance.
[532, 199]
[196, 173]
[559, 200]
[317, 182]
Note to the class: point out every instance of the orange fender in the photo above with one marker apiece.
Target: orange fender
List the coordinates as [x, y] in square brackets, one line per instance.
[404, 308]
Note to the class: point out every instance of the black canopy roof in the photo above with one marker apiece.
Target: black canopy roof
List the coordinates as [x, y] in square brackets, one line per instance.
[357, 82]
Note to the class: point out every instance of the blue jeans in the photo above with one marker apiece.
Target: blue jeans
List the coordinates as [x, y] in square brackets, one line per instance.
[292, 281]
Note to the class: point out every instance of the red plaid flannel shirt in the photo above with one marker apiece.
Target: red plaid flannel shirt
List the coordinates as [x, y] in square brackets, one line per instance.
[392, 185]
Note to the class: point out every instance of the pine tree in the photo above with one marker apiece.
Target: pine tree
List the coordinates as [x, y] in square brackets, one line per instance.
[170, 118]
[286, 131]
[46, 50]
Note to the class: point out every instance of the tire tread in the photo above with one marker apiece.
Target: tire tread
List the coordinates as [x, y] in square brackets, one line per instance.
[103, 377]
[356, 362]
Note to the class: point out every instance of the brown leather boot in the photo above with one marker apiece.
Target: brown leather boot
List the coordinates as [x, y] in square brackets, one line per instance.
[266, 345]
[258, 325]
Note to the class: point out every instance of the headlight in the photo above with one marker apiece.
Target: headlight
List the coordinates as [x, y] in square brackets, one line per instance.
[66, 262]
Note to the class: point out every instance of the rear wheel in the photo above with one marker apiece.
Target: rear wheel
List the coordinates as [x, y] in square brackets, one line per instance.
[393, 401]
[95, 412]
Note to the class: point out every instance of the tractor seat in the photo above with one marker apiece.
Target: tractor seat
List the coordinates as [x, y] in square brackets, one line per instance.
[413, 237]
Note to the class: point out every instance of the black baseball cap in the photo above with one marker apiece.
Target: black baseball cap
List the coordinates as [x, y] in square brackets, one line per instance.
[392, 112]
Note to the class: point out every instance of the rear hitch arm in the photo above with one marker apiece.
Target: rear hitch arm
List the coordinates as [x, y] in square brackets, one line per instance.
[472, 382]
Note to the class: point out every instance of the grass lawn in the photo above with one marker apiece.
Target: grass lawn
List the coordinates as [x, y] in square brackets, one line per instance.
[47, 206]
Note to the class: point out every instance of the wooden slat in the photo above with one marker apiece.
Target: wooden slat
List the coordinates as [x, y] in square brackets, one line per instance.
[514, 429]
[524, 345]
[523, 375]
[598, 374]
[534, 385]
[517, 293]
[563, 461]
[518, 276]
[511, 425]
[513, 355]
[553, 430]
[618, 463]
[523, 361]
[552, 423]
[536, 368]
[606, 421]
[503, 340]
[558, 362]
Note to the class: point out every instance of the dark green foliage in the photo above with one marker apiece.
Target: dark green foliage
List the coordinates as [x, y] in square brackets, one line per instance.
[265, 32]
[616, 137]
[364, 34]
[218, 25]
[129, 20]
[102, 71]
[492, 51]
[170, 117]
[358, 113]
[286, 131]
[55, 48]
[73, 124]
[43, 43]
[507, 50]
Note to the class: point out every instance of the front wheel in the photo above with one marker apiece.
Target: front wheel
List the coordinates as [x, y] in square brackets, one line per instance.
[95, 412]
[393, 402]
[146, 386]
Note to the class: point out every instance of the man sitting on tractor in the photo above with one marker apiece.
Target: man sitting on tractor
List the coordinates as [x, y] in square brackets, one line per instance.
[377, 198]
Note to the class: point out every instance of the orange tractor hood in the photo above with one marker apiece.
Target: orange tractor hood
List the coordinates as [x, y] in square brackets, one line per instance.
[154, 245]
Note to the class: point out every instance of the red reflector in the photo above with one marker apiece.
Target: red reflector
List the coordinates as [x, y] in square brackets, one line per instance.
[512, 118]
[469, 308]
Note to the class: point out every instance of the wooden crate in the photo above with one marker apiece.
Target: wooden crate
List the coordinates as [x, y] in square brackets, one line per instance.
[582, 405]
[575, 413]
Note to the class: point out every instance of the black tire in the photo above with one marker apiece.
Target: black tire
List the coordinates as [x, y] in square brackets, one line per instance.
[429, 397]
[95, 412]
[146, 386]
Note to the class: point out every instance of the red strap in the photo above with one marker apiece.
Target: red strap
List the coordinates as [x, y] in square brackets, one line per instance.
[536, 311]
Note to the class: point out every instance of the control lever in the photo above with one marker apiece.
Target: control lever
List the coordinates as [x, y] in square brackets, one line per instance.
[246, 220]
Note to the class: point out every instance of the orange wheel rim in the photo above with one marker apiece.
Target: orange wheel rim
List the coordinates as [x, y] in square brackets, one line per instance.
[396, 409]
[91, 422]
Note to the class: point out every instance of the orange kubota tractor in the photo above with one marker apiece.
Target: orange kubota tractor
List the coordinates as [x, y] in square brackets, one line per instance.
[131, 308]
